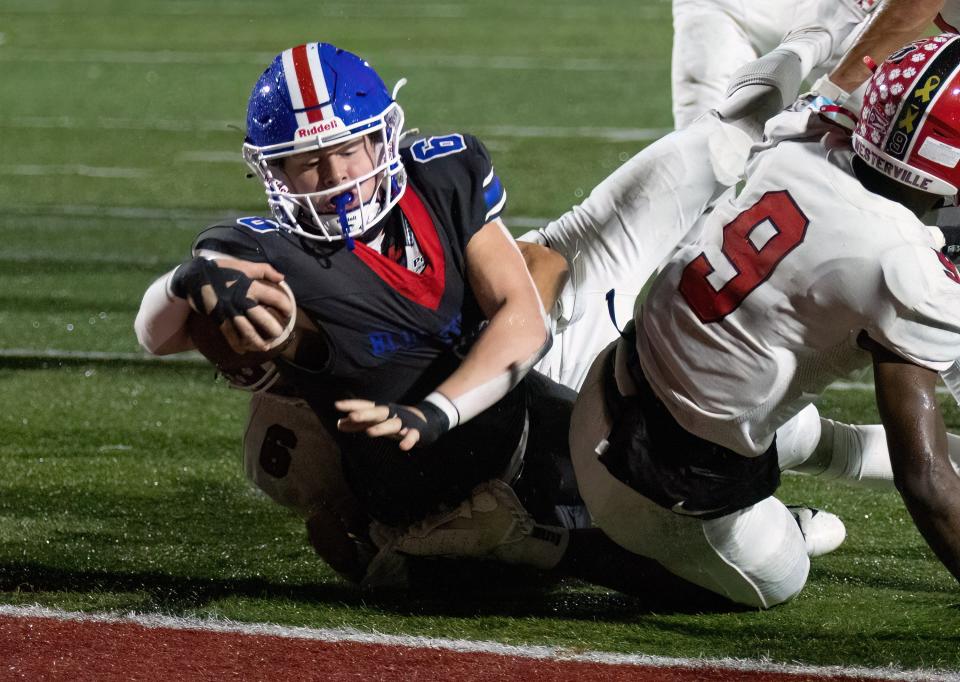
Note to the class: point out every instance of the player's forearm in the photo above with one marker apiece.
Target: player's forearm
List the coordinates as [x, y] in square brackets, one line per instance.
[548, 269]
[919, 453]
[161, 321]
[919, 450]
[896, 23]
[933, 503]
[516, 337]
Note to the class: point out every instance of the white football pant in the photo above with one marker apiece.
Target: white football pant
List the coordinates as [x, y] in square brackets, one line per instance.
[756, 556]
[288, 454]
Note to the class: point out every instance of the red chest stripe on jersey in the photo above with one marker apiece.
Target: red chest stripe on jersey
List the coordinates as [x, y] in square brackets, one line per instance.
[427, 287]
[305, 80]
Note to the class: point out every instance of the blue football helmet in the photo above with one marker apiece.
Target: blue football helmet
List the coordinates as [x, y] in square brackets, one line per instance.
[312, 97]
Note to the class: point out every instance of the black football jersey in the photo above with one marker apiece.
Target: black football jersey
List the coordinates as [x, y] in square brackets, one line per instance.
[391, 334]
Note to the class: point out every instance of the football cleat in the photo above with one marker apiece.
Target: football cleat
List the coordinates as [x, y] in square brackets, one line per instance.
[822, 531]
[492, 524]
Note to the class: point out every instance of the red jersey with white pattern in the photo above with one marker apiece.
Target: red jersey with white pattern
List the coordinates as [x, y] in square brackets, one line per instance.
[746, 325]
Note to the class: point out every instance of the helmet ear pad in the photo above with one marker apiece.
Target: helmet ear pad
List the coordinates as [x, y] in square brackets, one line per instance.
[278, 169]
[275, 174]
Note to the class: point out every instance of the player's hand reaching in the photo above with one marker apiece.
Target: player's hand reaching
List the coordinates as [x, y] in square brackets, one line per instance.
[240, 297]
[411, 425]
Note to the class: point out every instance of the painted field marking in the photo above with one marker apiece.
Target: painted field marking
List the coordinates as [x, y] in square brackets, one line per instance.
[380, 10]
[200, 216]
[84, 170]
[610, 134]
[462, 646]
[191, 358]
[457, 61]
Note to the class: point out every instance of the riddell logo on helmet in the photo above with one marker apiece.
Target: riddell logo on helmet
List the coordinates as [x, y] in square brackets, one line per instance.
[320, 128]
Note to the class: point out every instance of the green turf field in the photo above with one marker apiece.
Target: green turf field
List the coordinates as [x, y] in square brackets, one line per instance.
[122, 489]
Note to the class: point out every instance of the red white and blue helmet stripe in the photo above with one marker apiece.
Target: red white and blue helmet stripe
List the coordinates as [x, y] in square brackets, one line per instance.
[307, 85]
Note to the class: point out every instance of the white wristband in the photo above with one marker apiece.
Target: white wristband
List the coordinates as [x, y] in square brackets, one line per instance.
[827, 88]
[446, 406]
[168, 284]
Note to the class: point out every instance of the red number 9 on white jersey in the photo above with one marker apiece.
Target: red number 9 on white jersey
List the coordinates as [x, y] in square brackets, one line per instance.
[754, 243]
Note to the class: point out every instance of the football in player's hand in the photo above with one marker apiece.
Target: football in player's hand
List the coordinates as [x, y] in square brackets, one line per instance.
[213, 345]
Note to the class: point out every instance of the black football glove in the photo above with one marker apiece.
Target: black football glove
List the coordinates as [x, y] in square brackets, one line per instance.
[227, 294]
[431, 428]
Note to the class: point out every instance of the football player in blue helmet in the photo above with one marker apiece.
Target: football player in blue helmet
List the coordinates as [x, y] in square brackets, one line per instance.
[314, 102]
[417, 319]
[417, 324]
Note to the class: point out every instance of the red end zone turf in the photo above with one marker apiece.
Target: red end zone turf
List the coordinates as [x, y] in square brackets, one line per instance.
[76, 648]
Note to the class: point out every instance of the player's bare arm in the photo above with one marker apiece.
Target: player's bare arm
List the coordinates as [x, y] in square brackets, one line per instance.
[895, 23]
[162, 318]
[917, 440]
[517, 328]
[505, 351]
[549, 271]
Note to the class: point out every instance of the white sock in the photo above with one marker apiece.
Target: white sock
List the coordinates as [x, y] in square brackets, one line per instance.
[860, 454]
[797, 440]
[856, 453]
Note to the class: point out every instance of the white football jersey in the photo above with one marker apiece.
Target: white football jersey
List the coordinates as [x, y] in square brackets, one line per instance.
[714, 38]
[747, 324]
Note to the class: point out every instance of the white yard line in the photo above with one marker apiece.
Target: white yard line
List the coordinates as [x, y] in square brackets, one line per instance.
[196, 359]
[53, 354]
[572, 132]
[132, 212]
[110, 123]
[46, 170]
[472, 62]
[384, 10]
[137, 213]
[608, 134]
[471, 646]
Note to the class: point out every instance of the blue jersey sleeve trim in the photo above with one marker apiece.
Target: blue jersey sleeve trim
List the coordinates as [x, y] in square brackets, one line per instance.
[494, 195]
[497, 208]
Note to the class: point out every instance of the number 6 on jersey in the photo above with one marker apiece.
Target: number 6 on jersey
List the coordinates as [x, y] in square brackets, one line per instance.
[754, 243]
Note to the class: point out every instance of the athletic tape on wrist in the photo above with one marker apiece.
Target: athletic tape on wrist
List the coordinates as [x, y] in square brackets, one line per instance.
[827, 88]
[445, 405]
[168, 285]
